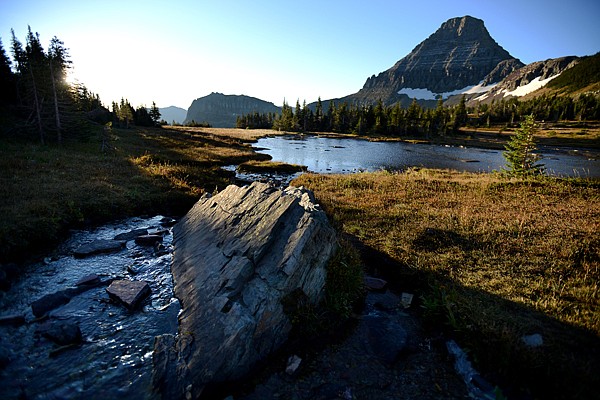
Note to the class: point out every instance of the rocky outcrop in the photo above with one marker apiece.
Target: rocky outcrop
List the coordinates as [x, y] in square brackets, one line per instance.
[459, 55]
[527, 79]
[221, 111]
[238, 255]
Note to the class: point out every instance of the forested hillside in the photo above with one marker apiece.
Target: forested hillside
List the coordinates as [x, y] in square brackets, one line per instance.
[416, 120]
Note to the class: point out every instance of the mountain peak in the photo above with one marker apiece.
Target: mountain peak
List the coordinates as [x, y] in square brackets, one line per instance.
[464, 25]
[460, 54]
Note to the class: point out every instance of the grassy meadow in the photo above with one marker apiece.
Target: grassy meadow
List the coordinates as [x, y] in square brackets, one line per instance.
[490, 260]
[47, 190]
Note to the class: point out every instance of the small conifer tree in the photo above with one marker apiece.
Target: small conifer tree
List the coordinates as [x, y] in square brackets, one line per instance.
[520, 157]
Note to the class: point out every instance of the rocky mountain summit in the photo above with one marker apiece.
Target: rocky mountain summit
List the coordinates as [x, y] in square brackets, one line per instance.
[459, 56]
[221, 110]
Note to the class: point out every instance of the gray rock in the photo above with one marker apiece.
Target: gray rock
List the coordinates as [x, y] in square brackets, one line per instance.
[535, 340]
[131, 235]
[61, 332]
[98, 247]
[293, 364]
[372, 283]
[387, 338]
[236, 256]
[91, 279]
[129, 293]
[49, 302]
[148, 240]
[12, 319]
[387, 301]
[167, 221]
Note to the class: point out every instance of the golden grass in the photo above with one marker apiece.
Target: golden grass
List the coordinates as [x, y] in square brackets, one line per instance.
[46, 190]
[246, 135]
[270, 166]
[492, 259]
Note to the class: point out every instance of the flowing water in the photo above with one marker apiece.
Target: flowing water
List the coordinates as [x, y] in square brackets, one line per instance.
[332, 155]
[115, 358]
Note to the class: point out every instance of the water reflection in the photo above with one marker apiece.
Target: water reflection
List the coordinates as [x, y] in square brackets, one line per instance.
[332, 155]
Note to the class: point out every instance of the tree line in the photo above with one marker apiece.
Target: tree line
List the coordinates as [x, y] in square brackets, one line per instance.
[360, 119]
[37, 101]
[394, 120]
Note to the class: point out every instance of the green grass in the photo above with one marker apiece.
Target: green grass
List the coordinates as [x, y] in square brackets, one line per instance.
[490, 260]
[270, 166]
[47, 190]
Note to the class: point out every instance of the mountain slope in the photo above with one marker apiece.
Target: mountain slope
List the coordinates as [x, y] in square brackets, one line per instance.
[461, 55]
[221, 110]
[525, 80]
[173, 114]
[584, 76]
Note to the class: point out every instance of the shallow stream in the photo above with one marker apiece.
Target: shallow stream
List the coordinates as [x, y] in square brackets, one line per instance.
[115, 358]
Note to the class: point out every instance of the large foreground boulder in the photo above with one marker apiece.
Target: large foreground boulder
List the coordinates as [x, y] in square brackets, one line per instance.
[237, 256]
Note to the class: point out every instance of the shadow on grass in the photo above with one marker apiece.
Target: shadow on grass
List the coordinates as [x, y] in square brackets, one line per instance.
[47, 190]
[566, 365]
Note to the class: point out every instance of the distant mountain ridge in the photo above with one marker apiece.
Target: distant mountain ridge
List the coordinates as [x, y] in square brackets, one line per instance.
[173, 114]
[221, 111]
[460, 56]
[459, 59]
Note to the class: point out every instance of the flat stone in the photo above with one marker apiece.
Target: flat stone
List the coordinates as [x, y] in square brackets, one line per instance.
[148, 240]
[131, 235]
[98, 247]
[49, 302]
[91, 279]
[372, 283]
[293, 364]
[12, 319]
[61, 332]
[407, 299]
[129, 293]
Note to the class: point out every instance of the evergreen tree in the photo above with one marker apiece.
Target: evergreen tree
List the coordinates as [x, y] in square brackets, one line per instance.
[155, 114]
[519, 154]
[319, 115]
[7, 94]
[460, 115]
[59, 61]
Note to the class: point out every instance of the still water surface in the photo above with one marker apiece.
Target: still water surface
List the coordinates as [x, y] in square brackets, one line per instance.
[332, 155]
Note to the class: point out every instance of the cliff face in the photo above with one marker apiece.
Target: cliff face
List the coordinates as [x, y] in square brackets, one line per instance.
[459, 55]
[221, 110]
[527, 79]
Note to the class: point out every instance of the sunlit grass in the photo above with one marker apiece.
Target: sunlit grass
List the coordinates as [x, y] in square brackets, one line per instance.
[492, 260]
[270, 166]
[46, 190]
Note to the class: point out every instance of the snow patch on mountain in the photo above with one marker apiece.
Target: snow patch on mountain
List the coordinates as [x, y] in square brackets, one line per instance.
[426, 94]
[532, 86]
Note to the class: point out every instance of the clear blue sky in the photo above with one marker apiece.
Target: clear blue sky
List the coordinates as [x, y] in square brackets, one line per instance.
[175, 51]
